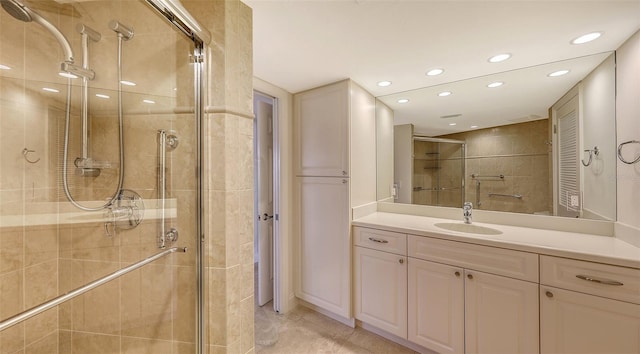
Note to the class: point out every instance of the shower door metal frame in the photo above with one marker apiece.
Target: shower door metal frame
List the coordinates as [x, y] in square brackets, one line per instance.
[463, 145]
[179, 17]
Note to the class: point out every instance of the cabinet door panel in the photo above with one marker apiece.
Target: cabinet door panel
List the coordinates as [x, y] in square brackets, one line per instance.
[322, 126]
[324, 257]
[380, 294]
[501, 314]
[436, 306]
[573, 322]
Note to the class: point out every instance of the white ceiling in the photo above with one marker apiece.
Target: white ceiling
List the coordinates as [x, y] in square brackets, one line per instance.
[299, 45]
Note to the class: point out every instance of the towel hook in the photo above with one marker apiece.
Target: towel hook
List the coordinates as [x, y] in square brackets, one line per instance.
[595, 151]
[26, 152]
[620, 152]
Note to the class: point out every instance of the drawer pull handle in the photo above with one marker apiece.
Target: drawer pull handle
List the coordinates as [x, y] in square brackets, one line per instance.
[549, 294]
[599, 280]
[470, 276]
[378, 240]
[457, 274]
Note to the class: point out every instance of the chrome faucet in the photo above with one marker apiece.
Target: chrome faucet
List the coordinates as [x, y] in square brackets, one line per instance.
[467, 208]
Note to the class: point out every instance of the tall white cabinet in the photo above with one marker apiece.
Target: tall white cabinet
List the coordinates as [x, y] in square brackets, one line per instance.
[335, 166]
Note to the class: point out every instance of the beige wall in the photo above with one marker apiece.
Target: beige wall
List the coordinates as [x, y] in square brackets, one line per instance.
[517, 151]
[628, 128]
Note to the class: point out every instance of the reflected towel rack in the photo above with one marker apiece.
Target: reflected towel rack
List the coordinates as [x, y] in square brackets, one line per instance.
[517, 196]
[14, 320]
[476, 176]
[620, 152]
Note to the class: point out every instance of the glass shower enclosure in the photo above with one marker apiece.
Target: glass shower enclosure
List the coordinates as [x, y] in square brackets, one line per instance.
[99, 163]
[438, 172]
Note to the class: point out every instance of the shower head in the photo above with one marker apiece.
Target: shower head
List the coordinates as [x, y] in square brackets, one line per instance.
[24, 14]
[16, 10]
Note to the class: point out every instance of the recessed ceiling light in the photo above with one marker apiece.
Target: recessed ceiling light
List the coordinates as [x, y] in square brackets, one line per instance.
[149, 101]
[558, 73]
[403, 100]
[495, 84]
[102, 95]
[587, 38]
[128, 83]
[4, 67]
[444, 93]
[434, 72]
[451, 116]
[474, 126]
[48, 89]
[67, 75]
[452, 124]
[384, 83]
[500, 57]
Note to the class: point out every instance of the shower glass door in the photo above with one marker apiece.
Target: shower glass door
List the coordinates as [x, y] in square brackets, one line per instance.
[438, 172]
[48, 245]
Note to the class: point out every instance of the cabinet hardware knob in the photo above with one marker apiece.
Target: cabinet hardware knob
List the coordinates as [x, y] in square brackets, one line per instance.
[470, 276]
[549, 294]
[344, 173]
[378, 240]
[599, 280]
[457, 274]
[401, 261]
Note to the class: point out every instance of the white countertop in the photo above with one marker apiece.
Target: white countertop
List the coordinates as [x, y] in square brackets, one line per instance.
[594, 248]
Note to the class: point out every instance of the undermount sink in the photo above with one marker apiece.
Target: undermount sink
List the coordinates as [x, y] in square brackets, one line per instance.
[468, 228]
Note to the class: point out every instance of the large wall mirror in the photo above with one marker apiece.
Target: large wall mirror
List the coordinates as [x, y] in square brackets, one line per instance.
[537, 140]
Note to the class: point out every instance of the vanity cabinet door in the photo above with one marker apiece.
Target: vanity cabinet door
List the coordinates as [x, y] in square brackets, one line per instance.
[436, 306]
[380, 291]
[501, 314]
[572, 322]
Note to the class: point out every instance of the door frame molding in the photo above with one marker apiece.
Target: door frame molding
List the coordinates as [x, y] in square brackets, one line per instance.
[283, 298]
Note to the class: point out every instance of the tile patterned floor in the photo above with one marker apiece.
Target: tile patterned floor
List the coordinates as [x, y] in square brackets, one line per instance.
[304, 331]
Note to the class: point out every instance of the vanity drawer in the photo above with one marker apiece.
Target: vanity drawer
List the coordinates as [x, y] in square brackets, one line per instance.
[387, 241]
[593, 278]
[499, 261]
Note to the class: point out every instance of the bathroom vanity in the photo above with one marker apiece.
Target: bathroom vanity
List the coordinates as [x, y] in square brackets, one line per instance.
[494, 288]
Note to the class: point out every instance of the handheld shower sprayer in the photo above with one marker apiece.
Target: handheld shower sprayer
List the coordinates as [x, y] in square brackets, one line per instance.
[25, 14]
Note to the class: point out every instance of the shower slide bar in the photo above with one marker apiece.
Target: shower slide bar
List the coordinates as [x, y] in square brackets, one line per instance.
[25, 315]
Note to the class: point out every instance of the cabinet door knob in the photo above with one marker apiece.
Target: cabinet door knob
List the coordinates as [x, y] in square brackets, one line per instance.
[401, 261]
[470, 276]
[457, 274]
[549, 294]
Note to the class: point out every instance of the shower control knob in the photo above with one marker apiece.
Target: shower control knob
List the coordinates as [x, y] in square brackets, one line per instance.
[172, 235]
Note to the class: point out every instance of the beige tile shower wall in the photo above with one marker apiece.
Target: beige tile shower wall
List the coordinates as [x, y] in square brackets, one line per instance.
[228, 176]
[519, 152]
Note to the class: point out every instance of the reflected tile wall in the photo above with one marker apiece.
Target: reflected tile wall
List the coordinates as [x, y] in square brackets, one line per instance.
[517, 151]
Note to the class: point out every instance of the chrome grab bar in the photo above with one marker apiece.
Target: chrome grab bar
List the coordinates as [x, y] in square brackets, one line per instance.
[476, 176]
[517, 196]
[25, 315]
[165, 141]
